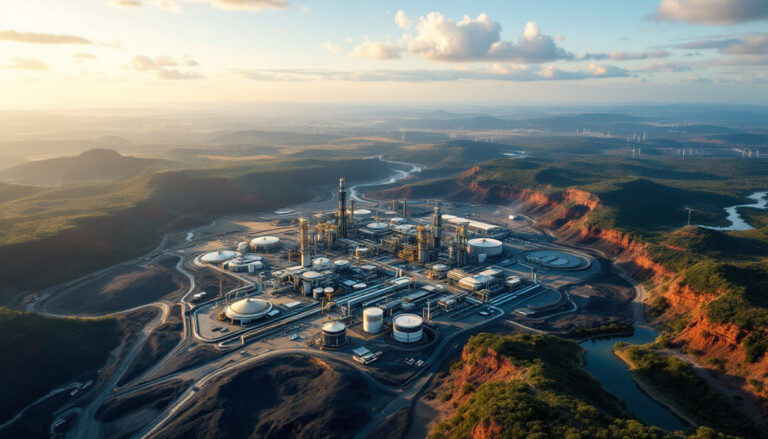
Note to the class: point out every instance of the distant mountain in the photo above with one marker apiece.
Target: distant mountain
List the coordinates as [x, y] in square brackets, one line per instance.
[92, 165]
[10, 160]
[260, 137]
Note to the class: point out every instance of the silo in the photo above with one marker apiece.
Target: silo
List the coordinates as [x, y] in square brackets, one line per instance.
[373, 319]
[407, 328]
[334, 334]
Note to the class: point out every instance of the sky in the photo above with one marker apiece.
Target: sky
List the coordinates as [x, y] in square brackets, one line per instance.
[58, 54]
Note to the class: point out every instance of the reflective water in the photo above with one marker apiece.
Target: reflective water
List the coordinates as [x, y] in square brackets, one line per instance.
[615, 376]
[737, 222]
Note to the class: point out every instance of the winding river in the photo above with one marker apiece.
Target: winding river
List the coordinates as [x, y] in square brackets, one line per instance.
[399, 175]
[737, 222]
[614, 374]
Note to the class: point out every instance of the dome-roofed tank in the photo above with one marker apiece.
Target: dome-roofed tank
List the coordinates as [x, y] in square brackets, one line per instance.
[218, 257]
[264, 243]
[247, 310]
[407, 328]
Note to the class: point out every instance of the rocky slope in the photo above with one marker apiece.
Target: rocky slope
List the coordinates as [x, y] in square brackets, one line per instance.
[567, 215]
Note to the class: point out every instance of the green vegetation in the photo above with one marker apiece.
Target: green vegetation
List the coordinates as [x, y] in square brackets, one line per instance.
[557, 399]
[755, 346]
[677, 381]
[91, 226]
[41, 353]
[613, 328]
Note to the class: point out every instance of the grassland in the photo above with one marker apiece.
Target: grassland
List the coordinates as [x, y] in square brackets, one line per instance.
[556, 398]
[82, 228]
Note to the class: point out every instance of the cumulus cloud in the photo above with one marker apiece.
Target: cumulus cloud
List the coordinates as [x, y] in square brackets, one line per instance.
[440, 38]
[235, 5]
[402, 20]
[27, 64]
[712, 12]
[161, 66]
[42, 38]
[626, 56]
[378, 50]
[333, 49]
[519, 73]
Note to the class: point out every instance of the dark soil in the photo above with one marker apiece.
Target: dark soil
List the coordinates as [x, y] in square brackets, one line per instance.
[123, 288]
[162, 340]
[154, 397]
[287, 397]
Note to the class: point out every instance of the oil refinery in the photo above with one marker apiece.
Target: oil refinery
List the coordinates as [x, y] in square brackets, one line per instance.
[356, 278]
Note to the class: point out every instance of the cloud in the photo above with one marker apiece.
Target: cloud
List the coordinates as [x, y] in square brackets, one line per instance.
[712, 12]
[232, 5]
[664, 66]
[754, 44]
[161, 66]
[439, 38]
[402, 20]
[42, 38]
[519, 73]
[378, 50]
[27, 64]
[333, 49]
[626, 56]
[84, 56]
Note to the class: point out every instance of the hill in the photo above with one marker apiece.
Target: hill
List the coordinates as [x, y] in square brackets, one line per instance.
[91, 226]
[41, 353]
[9, 160]
[91, 165]
[334, 400]
[528, 386]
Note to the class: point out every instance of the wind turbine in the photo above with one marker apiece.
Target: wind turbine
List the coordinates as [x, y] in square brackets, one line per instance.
[689, 215]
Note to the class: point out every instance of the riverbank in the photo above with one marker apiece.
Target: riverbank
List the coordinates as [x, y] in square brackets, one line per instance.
[676, 385]
[652, 392]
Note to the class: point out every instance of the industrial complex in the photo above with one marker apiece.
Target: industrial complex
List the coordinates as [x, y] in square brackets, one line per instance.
[366, 280]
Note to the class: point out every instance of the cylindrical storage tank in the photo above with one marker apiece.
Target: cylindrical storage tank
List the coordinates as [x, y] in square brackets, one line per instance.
[264, 243]
[321, 263]
[328, 291]
[361, 252]
[317, 293]
[341, 264]
[407, 328]
[361, 214]
[373, 319]
[491, 247]
[242, 247]
[334, 334]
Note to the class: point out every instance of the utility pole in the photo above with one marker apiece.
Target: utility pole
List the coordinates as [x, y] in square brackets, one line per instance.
[689, 215]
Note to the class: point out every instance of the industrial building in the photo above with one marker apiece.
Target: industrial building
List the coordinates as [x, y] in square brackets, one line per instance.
[246, 311]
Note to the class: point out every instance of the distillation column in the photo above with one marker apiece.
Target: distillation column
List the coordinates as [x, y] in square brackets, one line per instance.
[461, 238]
[421, 244]
[437, 230]
[306, 256]
[342, 215]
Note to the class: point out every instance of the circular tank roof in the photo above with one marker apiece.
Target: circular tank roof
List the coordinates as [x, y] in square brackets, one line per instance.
[407, 320]
[377, 226]
[219, 256]
[362, 212]
[248, 308]
[341, 262]
[373, 311]
[251, 258]
[359, 286]
[321, 261]
[328, 290]
[311, 275]
[265, 240]
[336, 326]
[484, 242]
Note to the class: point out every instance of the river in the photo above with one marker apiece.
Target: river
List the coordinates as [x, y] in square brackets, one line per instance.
[737, 222]
[614, 374]
[399, 175]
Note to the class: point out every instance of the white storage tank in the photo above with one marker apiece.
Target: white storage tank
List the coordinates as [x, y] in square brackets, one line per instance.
[361, 214]
[321, 263]
[264, 243]
[361, 252]
[491, 247]
[373, 319]
[407, 328]
[218, 257]
[334, 334]
[317, 293]
[328, 291]
[341, 264]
